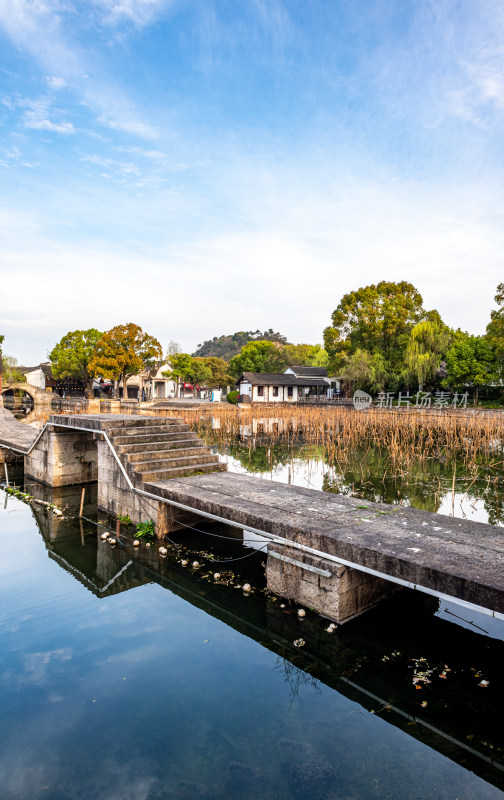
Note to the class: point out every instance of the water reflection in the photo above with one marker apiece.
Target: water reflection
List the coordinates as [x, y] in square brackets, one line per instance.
[372, 661]
[436, 485]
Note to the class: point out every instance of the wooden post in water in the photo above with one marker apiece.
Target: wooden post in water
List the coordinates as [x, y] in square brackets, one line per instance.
[82, 501]
[6, 473]
[118, 529]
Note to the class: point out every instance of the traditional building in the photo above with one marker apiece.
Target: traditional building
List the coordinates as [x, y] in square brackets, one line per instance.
[150, 384]
[283, 387]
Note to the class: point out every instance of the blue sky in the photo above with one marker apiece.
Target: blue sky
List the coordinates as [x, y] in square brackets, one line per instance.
[206, 166]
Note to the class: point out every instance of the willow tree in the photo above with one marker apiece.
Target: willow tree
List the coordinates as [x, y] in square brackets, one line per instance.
[124, 351]
[427, 344]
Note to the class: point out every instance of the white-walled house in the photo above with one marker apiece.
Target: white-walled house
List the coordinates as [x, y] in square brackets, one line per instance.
[333, 384]
[283, 387]
[37, 376]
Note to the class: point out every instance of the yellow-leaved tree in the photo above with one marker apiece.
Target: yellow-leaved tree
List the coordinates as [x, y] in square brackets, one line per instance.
[124, 351]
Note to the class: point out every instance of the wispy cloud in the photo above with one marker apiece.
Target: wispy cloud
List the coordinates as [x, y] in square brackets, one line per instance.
[46, 31]
[139, 12]
[37, 117]
[141, 129]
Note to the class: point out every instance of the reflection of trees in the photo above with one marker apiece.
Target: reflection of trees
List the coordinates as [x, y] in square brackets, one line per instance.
[295, 677]
[489, 486]
[367, 473]
[262, 458]
[373, 472]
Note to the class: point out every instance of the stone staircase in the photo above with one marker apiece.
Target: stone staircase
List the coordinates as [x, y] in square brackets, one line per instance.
[157, 448]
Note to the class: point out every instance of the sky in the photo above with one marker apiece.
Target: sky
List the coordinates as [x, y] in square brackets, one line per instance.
[200, 167]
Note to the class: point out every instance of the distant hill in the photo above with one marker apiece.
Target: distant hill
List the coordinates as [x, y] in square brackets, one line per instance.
[228, 346]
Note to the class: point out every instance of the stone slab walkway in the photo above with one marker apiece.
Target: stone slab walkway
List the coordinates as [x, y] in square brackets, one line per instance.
[457, 557]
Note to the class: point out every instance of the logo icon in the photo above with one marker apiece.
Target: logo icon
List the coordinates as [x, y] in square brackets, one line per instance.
[361, 400]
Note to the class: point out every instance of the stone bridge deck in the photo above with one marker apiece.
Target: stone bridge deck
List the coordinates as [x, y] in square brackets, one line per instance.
[448, 556]
[14, 434]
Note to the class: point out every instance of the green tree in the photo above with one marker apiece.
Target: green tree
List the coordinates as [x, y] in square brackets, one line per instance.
[181, 367]
[124, 351]
[308, 355]
[377, 319]
[260, 356]
[219, 371]
[427, 345]
[363, 370]
[469, 362]
[70, 358]
[10, 372]
[495, 331]
[200, 373]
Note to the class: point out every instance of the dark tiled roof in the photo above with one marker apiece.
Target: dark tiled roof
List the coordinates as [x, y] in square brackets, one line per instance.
[305, 372]
[279, 379]
[46, 369]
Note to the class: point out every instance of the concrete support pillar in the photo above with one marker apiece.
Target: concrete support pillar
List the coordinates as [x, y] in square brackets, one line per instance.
[336, 592]
[62, 459]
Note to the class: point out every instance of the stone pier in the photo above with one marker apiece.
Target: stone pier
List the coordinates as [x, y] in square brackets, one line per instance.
[63, 458]
[337, 592]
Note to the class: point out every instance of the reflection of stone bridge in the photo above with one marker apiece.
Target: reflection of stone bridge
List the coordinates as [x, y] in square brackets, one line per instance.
[39, 396]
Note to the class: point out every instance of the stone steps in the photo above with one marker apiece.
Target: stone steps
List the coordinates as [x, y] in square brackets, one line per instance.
[193, 448]
[161, 448]
[178, 440]
[156, 448]
[138, 438]
[178, 472]
[166, 464]
[158, 428]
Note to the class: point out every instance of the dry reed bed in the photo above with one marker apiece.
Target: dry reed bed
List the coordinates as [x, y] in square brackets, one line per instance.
[405, 436]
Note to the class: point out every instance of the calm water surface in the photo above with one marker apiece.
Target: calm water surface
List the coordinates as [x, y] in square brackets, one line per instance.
[127, 676]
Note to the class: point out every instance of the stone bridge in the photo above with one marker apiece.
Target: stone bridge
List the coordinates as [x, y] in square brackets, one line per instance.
[39, 396]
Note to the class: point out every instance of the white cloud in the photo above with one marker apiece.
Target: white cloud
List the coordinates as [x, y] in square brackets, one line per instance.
[56, 83]
[37, 117]
[44, 30]
[33, 121]
[299, 246]
[140, 12]
[141, 129]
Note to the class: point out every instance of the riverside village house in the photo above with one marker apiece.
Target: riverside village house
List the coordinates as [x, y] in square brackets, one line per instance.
[296, 383]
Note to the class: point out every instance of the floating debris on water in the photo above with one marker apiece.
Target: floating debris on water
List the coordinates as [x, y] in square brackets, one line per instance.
[299, 642]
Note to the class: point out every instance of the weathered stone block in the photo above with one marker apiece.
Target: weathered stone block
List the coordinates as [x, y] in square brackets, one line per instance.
[343, 595]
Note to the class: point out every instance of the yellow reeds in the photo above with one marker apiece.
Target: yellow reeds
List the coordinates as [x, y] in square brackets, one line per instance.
[406, 435]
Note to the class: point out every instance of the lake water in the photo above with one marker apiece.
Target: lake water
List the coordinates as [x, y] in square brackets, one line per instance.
[128, 676]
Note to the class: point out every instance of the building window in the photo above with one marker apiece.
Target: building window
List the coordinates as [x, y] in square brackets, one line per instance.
[275, 391]
[260, 391]
[290, 391]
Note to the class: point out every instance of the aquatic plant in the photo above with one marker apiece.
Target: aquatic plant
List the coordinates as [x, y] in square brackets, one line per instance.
[146, 530]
